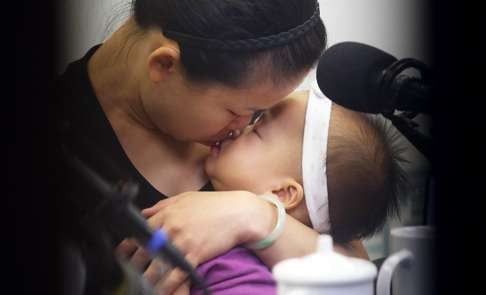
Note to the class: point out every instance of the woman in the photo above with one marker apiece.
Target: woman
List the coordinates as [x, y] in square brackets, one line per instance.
[178, 77]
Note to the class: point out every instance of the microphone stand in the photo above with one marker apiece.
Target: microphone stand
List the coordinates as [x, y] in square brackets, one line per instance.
[423, 144]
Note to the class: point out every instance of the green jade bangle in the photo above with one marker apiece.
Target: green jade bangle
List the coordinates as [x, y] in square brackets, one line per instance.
[278, 229]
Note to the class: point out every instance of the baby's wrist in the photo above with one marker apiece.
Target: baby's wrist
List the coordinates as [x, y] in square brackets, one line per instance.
[259, 221]
[278, 228]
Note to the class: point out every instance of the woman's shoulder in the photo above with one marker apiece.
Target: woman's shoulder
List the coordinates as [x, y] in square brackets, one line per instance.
[76, 73]
[74, 95]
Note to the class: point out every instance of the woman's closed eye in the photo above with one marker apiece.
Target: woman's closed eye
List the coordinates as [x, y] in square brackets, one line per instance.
[257, 117]
[241, 115]
[258, 124]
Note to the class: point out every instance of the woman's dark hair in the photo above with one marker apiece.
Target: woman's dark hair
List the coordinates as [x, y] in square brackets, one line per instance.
[245, 20]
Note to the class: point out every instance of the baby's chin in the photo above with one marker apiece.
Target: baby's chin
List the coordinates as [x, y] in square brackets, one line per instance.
[218, 185]
[210, 170]
[225, 185]
[221, 186]
[210, 166]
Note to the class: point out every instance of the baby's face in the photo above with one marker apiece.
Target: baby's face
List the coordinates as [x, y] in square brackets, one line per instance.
[265, 154]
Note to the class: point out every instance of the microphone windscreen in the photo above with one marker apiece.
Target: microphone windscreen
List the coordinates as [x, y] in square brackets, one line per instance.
[349, 74]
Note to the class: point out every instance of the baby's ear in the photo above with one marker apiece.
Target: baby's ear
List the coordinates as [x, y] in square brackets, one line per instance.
[290, 193]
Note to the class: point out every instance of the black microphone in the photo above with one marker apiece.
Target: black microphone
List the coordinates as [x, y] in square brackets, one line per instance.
[366, 79]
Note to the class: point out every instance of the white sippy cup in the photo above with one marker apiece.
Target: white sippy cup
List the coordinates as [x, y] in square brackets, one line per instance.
[325, 272]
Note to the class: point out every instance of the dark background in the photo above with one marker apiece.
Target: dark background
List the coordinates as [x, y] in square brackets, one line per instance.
[457, 126]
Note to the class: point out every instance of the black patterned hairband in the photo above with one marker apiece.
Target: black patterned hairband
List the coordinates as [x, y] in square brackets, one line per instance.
[265, 42]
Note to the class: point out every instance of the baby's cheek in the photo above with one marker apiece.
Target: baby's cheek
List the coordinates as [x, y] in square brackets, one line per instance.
[237, 166]
[239, 177]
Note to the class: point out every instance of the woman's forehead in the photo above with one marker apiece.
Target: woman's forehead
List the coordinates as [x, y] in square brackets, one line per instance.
[254, 99]
[255, 96]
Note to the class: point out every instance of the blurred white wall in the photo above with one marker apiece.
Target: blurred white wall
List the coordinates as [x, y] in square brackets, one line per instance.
[84, 23]
[395, 26]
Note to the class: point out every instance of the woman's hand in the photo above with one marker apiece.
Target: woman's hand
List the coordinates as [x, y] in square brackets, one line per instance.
[206, 224]
[202, 225]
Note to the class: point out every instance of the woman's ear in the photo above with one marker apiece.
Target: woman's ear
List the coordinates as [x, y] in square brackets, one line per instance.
[161, 62]
[290, 193]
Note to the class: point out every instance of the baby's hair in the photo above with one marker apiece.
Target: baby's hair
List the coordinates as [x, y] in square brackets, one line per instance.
[365, 174]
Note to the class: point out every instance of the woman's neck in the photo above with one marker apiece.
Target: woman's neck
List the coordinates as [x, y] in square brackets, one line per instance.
[115, 70]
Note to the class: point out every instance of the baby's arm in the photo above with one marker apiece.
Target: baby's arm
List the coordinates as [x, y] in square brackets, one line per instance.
[236, 272]
[299, 240]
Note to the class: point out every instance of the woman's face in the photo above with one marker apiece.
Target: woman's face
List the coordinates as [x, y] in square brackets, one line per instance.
[206, 113]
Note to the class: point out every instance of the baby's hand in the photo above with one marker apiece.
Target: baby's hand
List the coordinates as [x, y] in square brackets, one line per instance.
[128, 247]
[162, 277]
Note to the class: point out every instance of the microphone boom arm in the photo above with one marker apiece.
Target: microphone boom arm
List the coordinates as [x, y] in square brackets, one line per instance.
[420, 141]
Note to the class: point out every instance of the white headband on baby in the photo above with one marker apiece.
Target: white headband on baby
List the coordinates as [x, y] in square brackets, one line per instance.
[314, 152]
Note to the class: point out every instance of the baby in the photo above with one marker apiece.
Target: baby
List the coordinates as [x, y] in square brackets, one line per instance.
[333, 169]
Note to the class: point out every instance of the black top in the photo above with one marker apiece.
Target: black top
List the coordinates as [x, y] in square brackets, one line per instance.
[84, 120]
[86, 135]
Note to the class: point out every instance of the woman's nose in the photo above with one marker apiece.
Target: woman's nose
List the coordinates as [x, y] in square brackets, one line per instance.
[240, 123]
[233, 134]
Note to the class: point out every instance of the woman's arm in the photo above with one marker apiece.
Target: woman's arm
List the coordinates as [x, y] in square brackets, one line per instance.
[240, 217]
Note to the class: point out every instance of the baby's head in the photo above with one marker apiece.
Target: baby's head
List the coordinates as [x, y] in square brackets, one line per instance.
[360, 178]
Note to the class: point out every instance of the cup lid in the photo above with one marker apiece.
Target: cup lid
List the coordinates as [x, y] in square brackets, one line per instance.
[325, 266]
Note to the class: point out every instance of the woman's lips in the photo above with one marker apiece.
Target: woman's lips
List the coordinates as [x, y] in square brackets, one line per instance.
[215, 148]
[218, 146]
[213, 141]
[210, 143]
[220, 138]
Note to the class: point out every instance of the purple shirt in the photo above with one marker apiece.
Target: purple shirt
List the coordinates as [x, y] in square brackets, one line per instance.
[237, 272]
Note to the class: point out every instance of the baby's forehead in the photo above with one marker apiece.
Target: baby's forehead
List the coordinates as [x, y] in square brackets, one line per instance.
[294, 100]
[298, 96]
